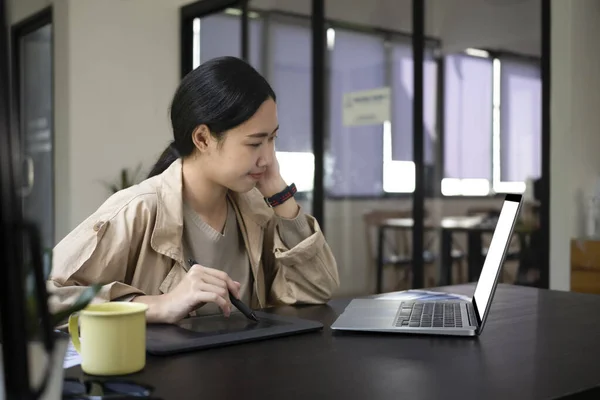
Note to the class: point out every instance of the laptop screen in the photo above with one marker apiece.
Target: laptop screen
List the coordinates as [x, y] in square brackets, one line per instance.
[495, 256]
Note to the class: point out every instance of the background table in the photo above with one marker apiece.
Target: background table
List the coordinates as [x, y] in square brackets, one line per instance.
[474, 226]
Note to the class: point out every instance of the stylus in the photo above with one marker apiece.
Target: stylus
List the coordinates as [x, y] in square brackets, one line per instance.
[236, 302]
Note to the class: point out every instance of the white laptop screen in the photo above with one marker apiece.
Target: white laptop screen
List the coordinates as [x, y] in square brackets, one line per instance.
[493, 261]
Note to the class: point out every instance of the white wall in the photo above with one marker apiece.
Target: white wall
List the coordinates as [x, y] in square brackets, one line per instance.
[575, 121]
[117, 66]
[123, 70]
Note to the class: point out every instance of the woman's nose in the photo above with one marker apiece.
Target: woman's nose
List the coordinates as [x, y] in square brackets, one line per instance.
[262, 162]
[265, 159]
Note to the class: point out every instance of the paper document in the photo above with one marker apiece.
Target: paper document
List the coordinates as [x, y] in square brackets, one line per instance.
[72, 357]
[421, 295]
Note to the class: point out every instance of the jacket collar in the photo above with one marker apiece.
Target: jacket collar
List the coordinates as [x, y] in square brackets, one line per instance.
[252, 212]
[168, 229]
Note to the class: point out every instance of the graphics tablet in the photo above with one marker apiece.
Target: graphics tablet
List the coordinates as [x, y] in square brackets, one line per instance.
[203, 332]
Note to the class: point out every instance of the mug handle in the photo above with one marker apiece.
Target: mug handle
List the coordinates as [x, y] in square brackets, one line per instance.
[74, 331]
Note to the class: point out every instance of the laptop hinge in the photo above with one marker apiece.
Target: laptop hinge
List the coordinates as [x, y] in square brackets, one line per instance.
[471, 315]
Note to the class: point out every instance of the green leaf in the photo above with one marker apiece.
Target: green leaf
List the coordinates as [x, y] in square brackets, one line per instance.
[124, 182]
[136, 174]
[82, 301]
[126, 178]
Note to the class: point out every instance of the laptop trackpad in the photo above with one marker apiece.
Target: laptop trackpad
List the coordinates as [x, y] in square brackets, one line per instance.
[370, 308]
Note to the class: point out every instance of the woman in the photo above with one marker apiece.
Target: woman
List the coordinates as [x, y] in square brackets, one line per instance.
[215, 196]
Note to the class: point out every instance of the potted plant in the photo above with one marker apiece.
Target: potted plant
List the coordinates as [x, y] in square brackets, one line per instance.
[126, 179]
[47, 346]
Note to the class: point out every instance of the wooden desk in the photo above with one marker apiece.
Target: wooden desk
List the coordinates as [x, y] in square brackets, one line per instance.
[585, 266]
[537, 344]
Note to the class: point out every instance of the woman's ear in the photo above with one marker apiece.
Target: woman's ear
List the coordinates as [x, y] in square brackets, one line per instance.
[202, 138]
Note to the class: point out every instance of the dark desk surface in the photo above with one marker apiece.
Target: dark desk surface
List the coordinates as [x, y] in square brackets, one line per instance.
[537, 344]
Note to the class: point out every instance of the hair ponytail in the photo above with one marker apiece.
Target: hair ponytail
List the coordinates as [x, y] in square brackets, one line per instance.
[168, 156]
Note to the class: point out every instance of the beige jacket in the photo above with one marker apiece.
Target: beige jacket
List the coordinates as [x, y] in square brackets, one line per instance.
[133, 245]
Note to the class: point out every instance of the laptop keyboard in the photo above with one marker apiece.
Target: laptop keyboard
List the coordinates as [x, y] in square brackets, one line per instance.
[439, 314]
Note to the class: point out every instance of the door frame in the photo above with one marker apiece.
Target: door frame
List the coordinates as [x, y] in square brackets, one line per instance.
[18, 30]
[12, 312]
[544, 183]
[200, 9]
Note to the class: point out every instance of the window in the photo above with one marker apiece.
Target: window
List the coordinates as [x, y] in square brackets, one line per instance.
[369, 160]
[468, 125]
[492, 124]
[399, 168]
[520, 111]
[291, 78]
[364, 160]
[355, 153]
[491, 115]
[218, 35]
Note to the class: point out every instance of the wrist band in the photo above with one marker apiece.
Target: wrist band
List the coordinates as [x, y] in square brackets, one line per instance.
[282, 196]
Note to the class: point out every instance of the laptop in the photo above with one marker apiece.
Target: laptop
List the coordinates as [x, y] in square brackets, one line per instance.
[443, 317]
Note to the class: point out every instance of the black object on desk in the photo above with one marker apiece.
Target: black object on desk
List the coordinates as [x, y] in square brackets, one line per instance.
[247, 311]
[113, 389]
[203, 332]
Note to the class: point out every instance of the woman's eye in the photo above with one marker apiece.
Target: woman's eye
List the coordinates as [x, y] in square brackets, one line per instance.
[254, 144]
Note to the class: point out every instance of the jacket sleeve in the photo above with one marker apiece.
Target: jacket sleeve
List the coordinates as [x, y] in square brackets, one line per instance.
[102, 249]
[304, 272]
[293, 231]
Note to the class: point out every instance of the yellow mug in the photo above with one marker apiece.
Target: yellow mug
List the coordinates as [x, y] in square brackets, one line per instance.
[113, 337]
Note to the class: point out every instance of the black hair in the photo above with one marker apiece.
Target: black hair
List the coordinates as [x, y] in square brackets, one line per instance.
[221, 93]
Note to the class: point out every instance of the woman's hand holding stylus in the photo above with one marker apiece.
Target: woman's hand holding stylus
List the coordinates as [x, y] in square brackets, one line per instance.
[200, 285]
